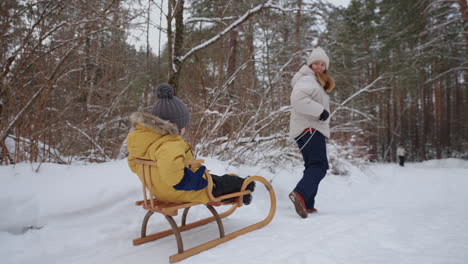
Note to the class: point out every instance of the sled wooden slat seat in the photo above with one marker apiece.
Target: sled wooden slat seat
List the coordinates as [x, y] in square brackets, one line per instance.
[152, 205]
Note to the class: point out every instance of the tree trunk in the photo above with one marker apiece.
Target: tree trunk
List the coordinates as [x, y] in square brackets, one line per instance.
[464, 11]
[178, 45]
[438, 112]
[170, 45]
[297, 35]
[251, 76]
[148, 62]
[458, 116]
[232, 60]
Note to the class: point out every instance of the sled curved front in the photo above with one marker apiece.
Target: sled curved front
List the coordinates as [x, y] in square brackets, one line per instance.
[170, 209]
[215, 242]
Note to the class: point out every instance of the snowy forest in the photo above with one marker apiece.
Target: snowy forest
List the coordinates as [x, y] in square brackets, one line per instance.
[73, 72]
[70, 76]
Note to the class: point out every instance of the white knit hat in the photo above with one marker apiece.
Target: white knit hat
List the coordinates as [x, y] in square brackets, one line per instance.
[318, 54]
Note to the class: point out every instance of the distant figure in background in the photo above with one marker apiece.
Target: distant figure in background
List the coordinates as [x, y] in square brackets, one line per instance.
[401, 154]
[371, 155]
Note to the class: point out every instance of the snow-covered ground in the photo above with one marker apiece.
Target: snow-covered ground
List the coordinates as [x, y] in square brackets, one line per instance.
[384, 214]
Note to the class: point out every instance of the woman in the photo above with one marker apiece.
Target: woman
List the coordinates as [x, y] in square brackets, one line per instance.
[309, 126]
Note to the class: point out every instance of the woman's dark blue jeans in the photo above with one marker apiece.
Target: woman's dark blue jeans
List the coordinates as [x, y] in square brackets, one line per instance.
[315, 158]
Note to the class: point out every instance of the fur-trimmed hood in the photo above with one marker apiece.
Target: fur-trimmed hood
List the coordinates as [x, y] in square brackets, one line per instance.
[155, 123]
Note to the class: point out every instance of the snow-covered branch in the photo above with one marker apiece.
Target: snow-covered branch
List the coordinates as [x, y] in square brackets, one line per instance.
[356, 111]
[4, 133]
[287, 9]
[229, 81]
[209, 19]
[365, 89]
[350, 126]
[90, 139]
[240, 20]
[448, 71]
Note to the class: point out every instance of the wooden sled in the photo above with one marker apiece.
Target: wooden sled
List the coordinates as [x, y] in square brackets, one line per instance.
[152, 205]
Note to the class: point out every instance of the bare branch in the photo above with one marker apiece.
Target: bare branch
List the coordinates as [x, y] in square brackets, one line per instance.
[90, 139]
[4, 133]
[365, 89]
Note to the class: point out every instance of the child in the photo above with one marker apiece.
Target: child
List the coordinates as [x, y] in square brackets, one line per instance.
[158, 136]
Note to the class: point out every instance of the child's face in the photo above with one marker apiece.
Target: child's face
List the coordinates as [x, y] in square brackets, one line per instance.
[182, 132]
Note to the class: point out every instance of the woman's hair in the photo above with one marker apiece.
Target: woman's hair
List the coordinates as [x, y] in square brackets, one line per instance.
[326, 81]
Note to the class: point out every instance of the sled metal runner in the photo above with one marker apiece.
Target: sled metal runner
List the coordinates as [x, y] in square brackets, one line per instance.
[169, 210]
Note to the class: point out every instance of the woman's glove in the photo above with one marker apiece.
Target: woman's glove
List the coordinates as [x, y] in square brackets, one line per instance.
[324, 115]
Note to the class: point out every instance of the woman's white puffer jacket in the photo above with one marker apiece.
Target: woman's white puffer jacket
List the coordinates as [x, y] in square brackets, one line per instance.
[308, 100]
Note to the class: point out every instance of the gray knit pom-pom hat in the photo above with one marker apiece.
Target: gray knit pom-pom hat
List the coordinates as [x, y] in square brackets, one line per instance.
[170, 107]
